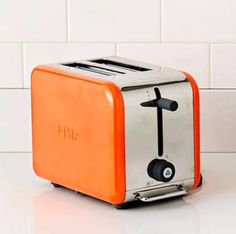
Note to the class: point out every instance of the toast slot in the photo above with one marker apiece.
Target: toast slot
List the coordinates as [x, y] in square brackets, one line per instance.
[94, 69]
[120, 65]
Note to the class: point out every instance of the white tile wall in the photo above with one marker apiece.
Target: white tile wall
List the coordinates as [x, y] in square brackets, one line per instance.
[11, 69]
[15, 123]
[196, 36]
[218, 121]
[36, 54]
[193, 58]
[223, 65]
[106, 20]
[199, 20]
[27, 20]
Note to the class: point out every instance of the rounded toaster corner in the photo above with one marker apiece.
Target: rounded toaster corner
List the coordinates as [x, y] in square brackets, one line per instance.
[118, 198]
[33, 73]
[192, 81]
[37, 68]
[196, 103]
[113, 90]
[114, 94]
[35, 168]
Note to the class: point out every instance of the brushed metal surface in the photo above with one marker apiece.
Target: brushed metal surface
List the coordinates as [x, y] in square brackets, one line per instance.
[169, 191]
[156, 74]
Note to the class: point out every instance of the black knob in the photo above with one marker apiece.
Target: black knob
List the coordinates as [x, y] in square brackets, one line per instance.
[161, 170]
[167, 104]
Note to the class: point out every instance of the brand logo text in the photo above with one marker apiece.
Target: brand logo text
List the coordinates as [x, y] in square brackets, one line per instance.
[67, 133]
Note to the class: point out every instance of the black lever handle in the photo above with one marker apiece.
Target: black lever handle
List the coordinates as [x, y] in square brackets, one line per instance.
[151, 103]
[167, 104]
[162, 103]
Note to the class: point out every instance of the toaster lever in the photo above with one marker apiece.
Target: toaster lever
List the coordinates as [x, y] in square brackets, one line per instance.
[163, 103]
[167, 104]
[160, 103]
[151, 103]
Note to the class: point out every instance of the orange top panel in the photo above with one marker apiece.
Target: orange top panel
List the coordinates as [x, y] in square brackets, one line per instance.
[78, 132]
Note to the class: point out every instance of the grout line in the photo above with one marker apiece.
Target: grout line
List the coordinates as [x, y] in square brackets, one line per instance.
[209, 66]
[116, 49]
[108, 42]
[160, 21]
[122, 42]
[23, 88]
[15, 152]
[23, 65]
[63, 42]
[230, 152]
[67, 20]
[220, 89]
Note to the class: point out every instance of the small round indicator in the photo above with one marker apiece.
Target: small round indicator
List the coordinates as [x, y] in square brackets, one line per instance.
[167, 173]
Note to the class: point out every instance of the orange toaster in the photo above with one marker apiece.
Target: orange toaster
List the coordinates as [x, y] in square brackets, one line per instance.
[116, 129]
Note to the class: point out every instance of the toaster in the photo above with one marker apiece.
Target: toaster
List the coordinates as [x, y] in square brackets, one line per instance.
[116, 129]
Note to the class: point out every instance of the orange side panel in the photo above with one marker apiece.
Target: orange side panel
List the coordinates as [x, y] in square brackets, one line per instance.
[196, 105]
[78, 133]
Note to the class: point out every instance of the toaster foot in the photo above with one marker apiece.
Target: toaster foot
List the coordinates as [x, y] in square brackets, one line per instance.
[128, 205]
[200, 182]
[77, 192]
[120, 206]
[56, 185]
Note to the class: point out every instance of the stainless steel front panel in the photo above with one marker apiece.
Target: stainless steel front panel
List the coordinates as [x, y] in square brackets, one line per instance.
[141, 135]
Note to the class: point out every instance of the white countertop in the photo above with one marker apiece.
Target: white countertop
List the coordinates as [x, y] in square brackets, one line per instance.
[31, 205]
